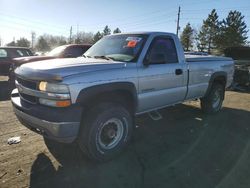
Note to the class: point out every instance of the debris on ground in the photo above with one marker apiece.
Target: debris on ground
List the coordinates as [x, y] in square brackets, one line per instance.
[14, 140]
[19, 171]
[3, 175]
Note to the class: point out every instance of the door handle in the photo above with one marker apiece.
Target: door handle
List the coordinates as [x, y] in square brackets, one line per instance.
[178, 71]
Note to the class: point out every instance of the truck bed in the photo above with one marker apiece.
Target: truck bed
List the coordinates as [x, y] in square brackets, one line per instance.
[198, 58]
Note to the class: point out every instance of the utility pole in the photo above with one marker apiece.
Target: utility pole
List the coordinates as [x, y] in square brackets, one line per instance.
[178, 21]
[33, 37]
[70, 35]
[77, 35]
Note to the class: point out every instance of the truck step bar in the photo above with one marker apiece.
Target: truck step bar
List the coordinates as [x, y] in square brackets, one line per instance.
[155, 115]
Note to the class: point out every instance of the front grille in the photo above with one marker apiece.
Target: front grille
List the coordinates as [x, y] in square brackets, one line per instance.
[27, 83]
[28, 98]
[30, 85]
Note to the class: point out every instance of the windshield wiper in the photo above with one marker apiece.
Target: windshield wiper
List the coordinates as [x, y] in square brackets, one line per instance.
[103, 57]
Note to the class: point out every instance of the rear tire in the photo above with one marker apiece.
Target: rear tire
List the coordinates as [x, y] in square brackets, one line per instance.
[212, 103]
[105, 132]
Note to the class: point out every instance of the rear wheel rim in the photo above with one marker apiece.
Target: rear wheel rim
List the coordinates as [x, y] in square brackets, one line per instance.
[111, 133]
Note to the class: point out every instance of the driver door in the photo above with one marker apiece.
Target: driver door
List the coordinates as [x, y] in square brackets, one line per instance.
[163, 81]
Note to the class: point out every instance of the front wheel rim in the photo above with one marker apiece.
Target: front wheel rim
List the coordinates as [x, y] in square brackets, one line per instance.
[111, 133]
[216, 99]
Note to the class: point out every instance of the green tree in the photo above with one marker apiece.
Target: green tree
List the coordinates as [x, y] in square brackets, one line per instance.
[42, 45]
[117, 30]
[23, 42]
[97, 37]
[208, 32]
[106, 31]
[233, 31]
[201, 41]
[187, 37]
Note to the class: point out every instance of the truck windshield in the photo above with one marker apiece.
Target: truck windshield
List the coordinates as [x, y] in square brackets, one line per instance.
[124, 47]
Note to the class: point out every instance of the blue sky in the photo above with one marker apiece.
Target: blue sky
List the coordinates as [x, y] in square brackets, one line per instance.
[19, 17]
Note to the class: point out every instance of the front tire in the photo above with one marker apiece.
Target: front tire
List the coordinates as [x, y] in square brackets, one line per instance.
[106, 131]
[212, 103]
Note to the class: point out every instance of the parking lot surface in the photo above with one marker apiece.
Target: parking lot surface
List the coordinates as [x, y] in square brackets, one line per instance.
[185, 149]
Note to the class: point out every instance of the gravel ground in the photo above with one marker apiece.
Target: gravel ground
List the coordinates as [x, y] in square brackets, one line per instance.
[185, 149]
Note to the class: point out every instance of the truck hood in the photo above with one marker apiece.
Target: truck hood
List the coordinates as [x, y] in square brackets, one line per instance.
[21, 60]
[57, 69]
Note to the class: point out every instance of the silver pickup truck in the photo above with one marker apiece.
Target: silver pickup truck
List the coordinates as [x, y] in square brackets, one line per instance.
[92, 100]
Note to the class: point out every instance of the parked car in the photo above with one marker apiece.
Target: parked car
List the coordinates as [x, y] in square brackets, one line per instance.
[241, 55]
[196, 53]
[93, 99]
[7, 54]
[65, 51]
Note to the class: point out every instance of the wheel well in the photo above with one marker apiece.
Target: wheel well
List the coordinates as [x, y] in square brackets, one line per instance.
[220, 80]
[122, 97]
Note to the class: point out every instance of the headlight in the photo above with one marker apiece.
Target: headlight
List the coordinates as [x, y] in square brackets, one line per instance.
[57, 95]
[53, 88]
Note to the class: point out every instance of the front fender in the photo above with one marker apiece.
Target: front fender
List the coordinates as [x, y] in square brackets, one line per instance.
[88, 93]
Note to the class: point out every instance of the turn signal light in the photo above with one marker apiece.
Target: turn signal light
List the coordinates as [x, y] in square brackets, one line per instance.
[63, 103]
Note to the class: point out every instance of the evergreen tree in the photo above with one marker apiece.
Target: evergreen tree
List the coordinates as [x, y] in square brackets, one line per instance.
[233, 31]
[201, 41]
[187, 37]
[208, 32]
[97, 37]
[117, 30]
[106, 31]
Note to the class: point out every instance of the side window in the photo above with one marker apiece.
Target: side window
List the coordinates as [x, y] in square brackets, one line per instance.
[74, 52]
[162, 51]
[20, 53]
[3, 53]
[26, 52]
[29, 53]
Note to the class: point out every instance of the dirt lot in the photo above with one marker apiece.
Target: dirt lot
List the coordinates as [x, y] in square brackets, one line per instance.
[184, 149]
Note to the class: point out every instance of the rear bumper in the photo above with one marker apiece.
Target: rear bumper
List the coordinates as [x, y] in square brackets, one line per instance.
[46, 120]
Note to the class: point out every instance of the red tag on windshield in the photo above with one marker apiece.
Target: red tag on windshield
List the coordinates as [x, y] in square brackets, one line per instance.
[132, 43]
